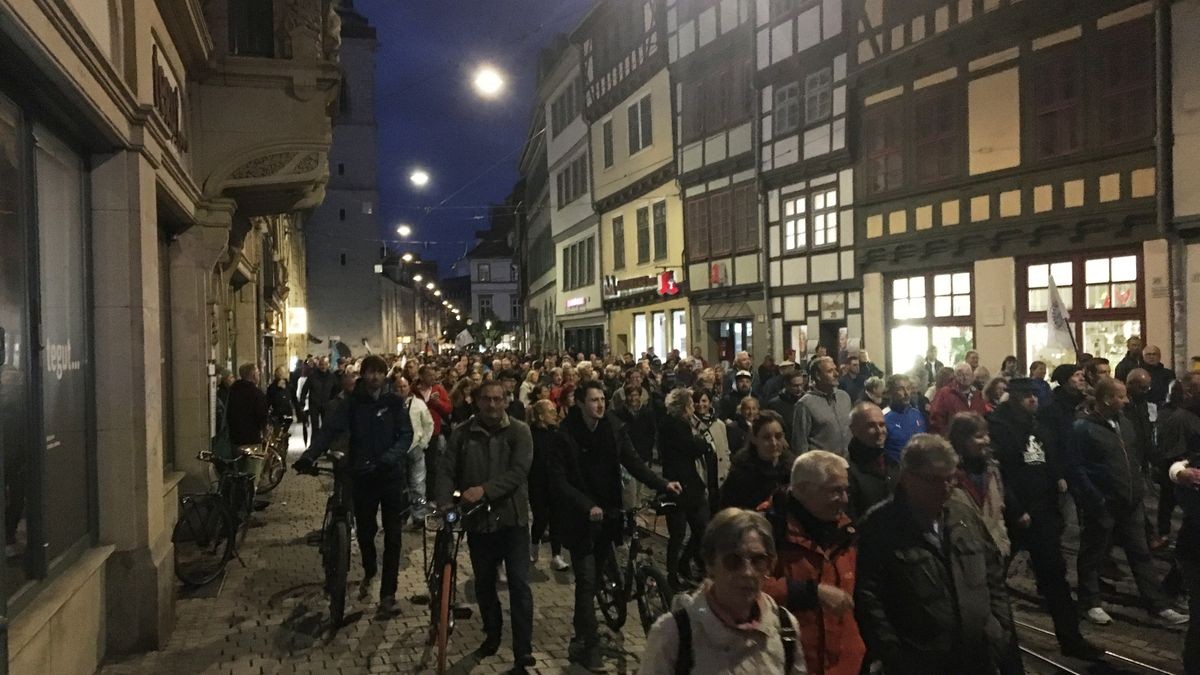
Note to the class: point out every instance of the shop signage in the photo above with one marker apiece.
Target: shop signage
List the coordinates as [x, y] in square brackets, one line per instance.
[576, 303]
[718, 275]
[168, 100]
[663, 284]
[666, 284]
[833, 307]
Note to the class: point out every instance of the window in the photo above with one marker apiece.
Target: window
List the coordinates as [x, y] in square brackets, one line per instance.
[1127, 89]
[818, 96]
[820, 209]
[691, 8]
[251, 28]
[640, 338]
[719, 230]
[660, 230]
[785, 116]
[1103, 295]
[679, 332]
[1057, 109]
[607, 133]
[643, 235]
[936, 136]
[483, 272]
[721, 222]
[515, 308]
[718, 99]
[930, 310]
[695, 220]
[618, 234]
[513, 273]
[659, 336]
[571, 182]
[566, 107]
[883, 143]
[579, 264]
[641, 128]
[745, 218]
[485, 305]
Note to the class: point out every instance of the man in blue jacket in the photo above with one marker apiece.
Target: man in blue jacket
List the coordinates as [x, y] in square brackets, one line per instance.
[380, 435]
[903, 420]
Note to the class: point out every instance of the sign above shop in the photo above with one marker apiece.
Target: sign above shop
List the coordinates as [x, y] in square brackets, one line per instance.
[663, 284]
[718, 275]
[666, 284]
[576, 303]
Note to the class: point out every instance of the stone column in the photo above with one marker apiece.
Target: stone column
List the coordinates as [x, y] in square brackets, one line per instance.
[129, 466]
[193, 256]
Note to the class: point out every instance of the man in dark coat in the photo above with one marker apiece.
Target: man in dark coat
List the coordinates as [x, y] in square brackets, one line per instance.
[319, 389]
[1033, 478]
[1161, 376]
[248, 410]
[1133, 358]
[586, 479]
[795, 385]
[640, 422]
[930, 597]
[872, 473]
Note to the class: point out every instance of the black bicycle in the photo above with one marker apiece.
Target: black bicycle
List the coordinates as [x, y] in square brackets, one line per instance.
[441, 572]
[335, 536]
[211, 526]
[640, 580]
[275, 461]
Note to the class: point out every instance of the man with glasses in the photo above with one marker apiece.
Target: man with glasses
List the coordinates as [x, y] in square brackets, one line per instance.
[930, 595]
[1161, 376]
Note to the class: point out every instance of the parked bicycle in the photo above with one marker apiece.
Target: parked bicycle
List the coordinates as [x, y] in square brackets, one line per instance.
[441, 572]
[275, 461]
[212, 525]
[639, 580]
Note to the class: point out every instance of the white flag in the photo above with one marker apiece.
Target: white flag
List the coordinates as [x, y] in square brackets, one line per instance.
[1058, 331]
[463, 339]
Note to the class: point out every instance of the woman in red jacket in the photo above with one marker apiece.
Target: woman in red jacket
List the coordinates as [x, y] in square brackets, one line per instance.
[817, 554]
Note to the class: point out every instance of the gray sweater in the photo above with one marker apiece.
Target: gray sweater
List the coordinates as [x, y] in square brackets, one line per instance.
[822, 422]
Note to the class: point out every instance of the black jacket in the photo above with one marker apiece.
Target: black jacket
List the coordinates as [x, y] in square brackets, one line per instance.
[279, 399]
[380, 432]
[751, 480]
[1109, 467]
[872, 478]
[727, 407]
[785, 405]
[246, 413]
[586, 472]
[546, 444]
[318, 389]
[1161, 378]
[1127, 364]
[931, 608]
[679, 449]
[1029, 464]
[737, 429]
[642, 428]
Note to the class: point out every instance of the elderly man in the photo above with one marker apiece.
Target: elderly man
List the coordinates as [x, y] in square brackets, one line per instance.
[814, 573]
[958, 396]
[903, 419]
[930, 596]
[1161, 376]
[872, 473]
[822, 417]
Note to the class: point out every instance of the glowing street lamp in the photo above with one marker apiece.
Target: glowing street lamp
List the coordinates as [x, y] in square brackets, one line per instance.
[488, 82]
[430, 286]
[407, 257]
[437, 293]
[419, 178]
[403, 230]
[418, 278]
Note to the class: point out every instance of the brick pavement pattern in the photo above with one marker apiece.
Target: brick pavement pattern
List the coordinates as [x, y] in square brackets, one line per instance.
[268, 614]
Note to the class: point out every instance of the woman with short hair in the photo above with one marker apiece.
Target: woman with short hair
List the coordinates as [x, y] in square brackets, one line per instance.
[684, 459]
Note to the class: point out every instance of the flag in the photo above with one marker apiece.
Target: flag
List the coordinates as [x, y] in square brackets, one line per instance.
[463, 339]
[1058, 331]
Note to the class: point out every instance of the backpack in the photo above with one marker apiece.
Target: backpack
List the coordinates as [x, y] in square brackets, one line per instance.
[686, 658]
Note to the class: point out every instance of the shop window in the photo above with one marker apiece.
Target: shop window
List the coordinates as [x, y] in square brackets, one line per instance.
[659, 326]
[930, 310]
[640, 335]
[1102, 294]
[679, 332]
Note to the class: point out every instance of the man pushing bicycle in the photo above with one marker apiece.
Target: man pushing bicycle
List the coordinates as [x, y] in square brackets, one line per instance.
[380, 435]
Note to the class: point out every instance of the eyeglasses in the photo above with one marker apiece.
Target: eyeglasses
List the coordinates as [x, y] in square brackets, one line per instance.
[736, 562]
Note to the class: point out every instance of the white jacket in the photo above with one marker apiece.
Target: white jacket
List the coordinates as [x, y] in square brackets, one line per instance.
[718, 649]
[422, 423]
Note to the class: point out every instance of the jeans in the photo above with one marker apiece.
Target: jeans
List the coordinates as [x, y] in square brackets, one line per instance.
[584, 560]
[416, 479]
[371, 494]
[1126, 524]
[508, 546]
[685, 517]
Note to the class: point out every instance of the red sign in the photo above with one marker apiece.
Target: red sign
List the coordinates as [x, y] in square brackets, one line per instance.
[666, 284]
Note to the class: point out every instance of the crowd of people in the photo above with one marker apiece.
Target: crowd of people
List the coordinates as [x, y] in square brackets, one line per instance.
[826, 518]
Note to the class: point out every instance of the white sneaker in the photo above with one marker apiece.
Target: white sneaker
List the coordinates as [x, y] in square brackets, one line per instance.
[558, 564]
[1173, 618]
[533, 555]
[503, 575]
[1098, 616]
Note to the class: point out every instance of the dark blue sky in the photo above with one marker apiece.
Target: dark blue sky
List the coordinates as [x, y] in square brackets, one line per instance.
[430, 116]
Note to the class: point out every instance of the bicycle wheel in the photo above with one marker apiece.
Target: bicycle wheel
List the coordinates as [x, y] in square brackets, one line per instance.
[610, 591]
[443, 617]
[273, 471]
[337, 567]
[653, 595]
[202, 538]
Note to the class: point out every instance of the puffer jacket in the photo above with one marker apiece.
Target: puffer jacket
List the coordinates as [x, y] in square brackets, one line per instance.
[499, 460]
[379, 427]
[926, 608]
[832, 644]
[718, 649]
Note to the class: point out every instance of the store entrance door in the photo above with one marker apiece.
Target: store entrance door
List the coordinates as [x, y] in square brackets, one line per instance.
[732, 337]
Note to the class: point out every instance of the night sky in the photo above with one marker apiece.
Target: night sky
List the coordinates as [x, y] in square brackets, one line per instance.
[430, 116]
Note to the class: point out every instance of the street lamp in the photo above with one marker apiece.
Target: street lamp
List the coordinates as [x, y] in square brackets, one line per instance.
[419, 177]
[430, 286]
[437, 293]
[404, 230]
[488, 81]
[418, 278]
[407, 257]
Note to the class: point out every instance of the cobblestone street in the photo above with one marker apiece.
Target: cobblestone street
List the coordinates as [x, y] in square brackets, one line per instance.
[268, 615]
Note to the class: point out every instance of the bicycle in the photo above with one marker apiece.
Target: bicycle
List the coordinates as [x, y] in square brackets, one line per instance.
[441, 572]
[211, 526]
[336, 527]
[275, 462]
[640, 580]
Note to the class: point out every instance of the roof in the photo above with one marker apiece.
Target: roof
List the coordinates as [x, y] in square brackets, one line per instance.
[491, 248]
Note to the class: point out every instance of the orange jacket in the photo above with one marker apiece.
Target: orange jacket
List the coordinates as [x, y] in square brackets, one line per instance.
[832, 644]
